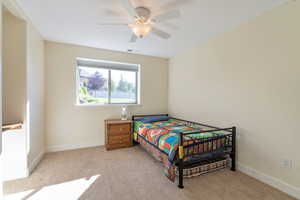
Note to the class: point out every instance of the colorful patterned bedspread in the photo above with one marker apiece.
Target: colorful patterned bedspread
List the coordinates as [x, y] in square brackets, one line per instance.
[163, 134]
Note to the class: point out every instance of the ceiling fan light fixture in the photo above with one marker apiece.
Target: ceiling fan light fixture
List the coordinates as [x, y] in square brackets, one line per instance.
[143, 22]
[141, 29]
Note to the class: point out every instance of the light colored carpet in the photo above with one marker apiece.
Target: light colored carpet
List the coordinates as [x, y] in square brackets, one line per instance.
[131, 173]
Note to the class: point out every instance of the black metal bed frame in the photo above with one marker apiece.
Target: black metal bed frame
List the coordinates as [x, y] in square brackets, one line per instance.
[228, 143]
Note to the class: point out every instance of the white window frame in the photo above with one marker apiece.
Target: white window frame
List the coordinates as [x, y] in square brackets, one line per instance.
[109, 65]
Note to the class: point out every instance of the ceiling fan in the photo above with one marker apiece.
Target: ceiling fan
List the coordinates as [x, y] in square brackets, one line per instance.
[143, 23]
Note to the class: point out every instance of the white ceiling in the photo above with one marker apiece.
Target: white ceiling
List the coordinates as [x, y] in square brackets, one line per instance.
[75, 21]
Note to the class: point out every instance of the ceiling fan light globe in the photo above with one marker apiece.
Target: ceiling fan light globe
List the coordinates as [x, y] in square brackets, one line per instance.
[141, 30]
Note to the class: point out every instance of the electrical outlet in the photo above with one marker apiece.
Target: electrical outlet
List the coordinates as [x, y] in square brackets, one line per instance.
[286, 163]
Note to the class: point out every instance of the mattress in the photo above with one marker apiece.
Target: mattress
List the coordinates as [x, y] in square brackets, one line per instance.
[164, 135]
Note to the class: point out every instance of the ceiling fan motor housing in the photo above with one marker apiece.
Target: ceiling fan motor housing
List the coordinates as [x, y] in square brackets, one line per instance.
[143, 12]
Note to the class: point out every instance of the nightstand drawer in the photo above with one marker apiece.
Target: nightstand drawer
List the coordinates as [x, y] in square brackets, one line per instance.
[119, 139]
[119, 129]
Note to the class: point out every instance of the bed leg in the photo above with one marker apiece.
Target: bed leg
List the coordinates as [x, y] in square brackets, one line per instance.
[232, 162]
[180, 166]
[232, 155]
[180, 182]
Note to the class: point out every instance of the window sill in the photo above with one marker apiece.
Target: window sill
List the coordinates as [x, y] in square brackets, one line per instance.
[106, 105]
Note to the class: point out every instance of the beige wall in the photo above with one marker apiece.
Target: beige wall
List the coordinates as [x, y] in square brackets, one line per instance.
[24, 86]
[14, 68]
[70, 126]
[35, 95]
[249, 78]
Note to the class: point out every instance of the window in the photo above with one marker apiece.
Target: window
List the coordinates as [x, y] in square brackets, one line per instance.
[104, 82]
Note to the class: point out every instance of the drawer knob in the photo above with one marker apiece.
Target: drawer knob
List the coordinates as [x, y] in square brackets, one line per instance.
[121, 129]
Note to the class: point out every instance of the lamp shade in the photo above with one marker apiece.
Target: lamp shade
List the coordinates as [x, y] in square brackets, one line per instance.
[141, 29]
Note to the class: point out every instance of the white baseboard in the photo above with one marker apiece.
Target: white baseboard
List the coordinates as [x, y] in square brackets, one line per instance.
[32, 165]
[274, 182]
[71, 147]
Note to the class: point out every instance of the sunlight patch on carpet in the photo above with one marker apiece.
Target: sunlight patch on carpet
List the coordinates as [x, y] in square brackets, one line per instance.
[71, 190]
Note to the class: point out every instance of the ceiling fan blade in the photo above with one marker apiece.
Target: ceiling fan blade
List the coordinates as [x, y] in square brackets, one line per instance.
[170, 25]
[129, 7]
[167, 16]
[133, 38]
[112, 24]
[111, 12]
[160, 33]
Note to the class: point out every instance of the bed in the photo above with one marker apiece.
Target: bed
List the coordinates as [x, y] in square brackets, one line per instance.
[185, 148]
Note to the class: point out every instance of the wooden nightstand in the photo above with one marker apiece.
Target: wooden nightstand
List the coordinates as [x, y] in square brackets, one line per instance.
[118, 133]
